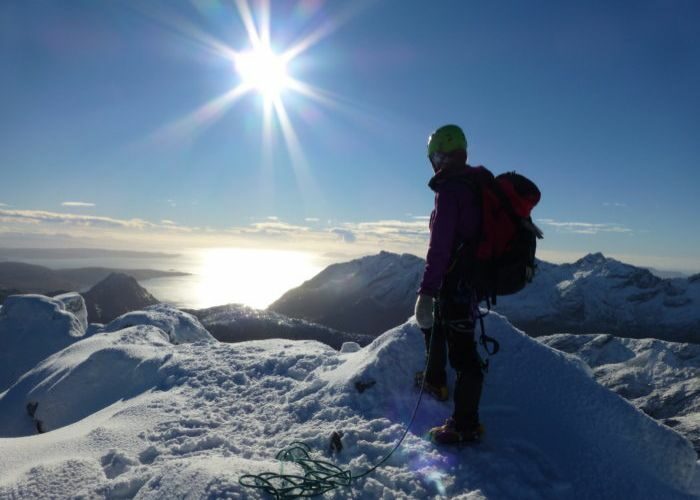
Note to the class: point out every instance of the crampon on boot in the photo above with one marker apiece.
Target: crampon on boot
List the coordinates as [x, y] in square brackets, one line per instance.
[439, 392]
[448, 433]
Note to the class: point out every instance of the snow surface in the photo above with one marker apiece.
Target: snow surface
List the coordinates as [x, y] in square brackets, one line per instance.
[33, 327]
[144, 418]
[84, 378]
[661, 378]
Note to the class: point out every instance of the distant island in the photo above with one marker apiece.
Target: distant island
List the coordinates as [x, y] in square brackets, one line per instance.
[19, 277]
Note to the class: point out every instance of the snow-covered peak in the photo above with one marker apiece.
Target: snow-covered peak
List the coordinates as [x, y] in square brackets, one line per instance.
[592, 259]
[599, 294]
[366, 295]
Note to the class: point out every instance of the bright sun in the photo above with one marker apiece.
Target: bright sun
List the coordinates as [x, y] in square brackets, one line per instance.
[263, 70]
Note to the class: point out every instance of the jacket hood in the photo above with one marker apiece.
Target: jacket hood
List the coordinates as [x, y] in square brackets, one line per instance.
[452, 172]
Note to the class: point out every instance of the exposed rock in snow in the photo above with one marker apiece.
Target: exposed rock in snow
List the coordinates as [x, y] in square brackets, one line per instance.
[209, 412]
[74, 303]
[181, 327]
[367, 295]
[238, 323]
[661, 378]
[115, 295]
[32, 327]
[594, 294]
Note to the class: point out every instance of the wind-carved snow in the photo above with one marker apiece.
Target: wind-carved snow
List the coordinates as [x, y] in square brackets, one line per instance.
[75, 304]
[661, 378]
[84, 378]
[198, 416]
[180, 326]
[33, 327]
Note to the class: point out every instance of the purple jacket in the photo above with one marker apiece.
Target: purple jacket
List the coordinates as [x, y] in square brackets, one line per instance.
[454, 220]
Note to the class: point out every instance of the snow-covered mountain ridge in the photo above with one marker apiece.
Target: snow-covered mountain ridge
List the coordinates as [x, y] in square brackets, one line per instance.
[599, 294]
[131, 414]
[593, 294]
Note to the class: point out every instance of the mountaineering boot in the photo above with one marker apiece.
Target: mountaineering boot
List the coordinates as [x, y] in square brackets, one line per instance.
[448, 433]
[439, 392]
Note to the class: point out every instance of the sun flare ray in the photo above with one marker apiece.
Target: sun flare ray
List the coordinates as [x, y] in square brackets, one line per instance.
[249, 23]
[325, 29]
[305, 180]
[186, 29]
[205, 115]
[266, 171]
[265, 22]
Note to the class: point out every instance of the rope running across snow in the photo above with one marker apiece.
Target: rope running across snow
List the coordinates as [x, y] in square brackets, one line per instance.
[320, 476]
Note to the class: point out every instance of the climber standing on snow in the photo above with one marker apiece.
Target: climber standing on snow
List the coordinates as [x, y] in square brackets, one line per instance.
[446, 307]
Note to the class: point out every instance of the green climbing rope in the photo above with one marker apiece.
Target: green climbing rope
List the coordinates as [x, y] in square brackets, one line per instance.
[319, 476]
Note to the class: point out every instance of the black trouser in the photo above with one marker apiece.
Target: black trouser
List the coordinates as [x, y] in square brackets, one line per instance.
[452, 336]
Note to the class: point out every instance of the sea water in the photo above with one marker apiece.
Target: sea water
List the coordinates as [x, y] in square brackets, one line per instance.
[216, 276]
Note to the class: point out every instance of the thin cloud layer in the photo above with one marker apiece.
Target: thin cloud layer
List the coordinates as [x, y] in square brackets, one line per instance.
[357, 237]
[585, 227]
[275, 226]
[40, 217]
[77, 204]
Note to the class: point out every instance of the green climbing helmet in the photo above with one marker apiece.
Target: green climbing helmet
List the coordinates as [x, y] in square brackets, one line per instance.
[446, 139]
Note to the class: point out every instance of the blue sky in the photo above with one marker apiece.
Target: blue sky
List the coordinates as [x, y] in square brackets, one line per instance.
[597, 102]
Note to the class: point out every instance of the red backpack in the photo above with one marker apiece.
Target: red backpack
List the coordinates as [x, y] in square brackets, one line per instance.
[502, 260]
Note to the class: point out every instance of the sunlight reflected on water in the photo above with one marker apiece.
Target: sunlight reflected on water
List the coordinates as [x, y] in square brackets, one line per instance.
[249, 276]
[216, 276]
